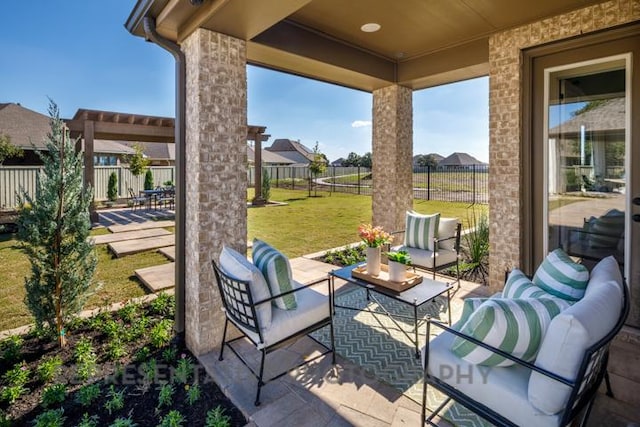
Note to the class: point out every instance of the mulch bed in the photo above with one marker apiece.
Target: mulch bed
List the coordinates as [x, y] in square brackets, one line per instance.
[147, 362]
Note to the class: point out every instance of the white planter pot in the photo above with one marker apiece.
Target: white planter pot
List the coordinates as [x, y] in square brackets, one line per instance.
[397, 271]
[373, 261]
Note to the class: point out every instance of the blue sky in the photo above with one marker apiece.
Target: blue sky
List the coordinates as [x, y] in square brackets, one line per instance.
[81, 56]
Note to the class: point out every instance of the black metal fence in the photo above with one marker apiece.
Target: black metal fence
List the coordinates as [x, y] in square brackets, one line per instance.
[467, 184]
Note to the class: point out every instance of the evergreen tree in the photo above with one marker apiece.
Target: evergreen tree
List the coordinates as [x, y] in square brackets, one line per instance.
[148, 180]
[112, 187]
[266, 185]
[53, 228]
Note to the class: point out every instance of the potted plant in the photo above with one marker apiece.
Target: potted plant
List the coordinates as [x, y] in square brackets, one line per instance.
[398, 262]
[374, 238]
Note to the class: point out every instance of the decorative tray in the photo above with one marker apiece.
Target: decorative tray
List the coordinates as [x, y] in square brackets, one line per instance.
[382, 279]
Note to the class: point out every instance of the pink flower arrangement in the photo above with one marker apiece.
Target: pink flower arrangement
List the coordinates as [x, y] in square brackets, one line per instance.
[373, 237]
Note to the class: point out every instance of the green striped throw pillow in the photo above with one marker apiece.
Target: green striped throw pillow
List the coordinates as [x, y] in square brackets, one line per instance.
[277, 271]
[518, 285]
[515, 326]
[606, 231]
[421, 230]
[560, 276]
[469, 306]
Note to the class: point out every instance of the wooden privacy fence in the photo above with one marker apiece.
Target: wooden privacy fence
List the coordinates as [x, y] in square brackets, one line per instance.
[16, 179]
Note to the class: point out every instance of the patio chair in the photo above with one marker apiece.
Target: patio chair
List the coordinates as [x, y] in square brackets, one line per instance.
[432, 249]
[247, 304]
[556, 384]
[167, 198]
[136, 201]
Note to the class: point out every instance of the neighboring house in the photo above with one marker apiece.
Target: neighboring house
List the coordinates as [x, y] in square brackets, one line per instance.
[338, 162]
[295, 151]
[268, 158]
[159, 153]
[460, 159]
[28, 130]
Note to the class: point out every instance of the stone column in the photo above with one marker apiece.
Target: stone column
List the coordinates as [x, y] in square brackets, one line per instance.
[392, 156]
[216, 175]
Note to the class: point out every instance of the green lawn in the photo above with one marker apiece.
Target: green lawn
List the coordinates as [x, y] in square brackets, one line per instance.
[305, 225]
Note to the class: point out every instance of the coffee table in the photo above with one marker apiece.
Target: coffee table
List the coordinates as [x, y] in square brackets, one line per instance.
[414, 297]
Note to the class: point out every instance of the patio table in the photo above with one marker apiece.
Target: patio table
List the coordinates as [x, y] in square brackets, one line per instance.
[414, 297]
[152, 195]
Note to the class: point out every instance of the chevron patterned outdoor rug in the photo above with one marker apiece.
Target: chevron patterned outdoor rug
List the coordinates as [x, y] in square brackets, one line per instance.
[374, 342]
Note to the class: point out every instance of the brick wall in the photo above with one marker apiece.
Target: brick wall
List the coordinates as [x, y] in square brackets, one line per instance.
[505, 124]
[216, 175]
[392, 156]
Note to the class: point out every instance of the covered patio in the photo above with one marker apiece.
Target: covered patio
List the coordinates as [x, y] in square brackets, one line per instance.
[417, 45]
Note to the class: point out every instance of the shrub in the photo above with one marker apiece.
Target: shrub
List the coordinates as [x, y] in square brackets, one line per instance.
[184, 370]
[11, 349]
[16, 378]
[53, 395]
[163, 305]
[193, 393]
[161, 333]
[88, 394]
[266, 185]
[49, 368]
[217, 418]
[477, 246]
[115, 400]
[165, 395]
[148, 180]
[112, 187]
[51, 418]
[172, 419]
[88, 421]
[85, 357]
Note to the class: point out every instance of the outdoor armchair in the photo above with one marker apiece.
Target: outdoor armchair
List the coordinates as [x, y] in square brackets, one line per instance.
[136, 201]
[554, 388]
[250, 308]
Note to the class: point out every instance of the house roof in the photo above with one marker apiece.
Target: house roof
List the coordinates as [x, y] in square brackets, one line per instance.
[460, 159]
[268, 157]
[156, 150]
[420, 43]
[607, 116]
[295, 151]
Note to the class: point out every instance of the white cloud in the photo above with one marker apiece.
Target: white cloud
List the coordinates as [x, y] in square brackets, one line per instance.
[361, 123]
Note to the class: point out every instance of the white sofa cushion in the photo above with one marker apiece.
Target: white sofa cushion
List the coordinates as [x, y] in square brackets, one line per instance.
[424, 258]
[447, 229]
[515, 326]
[502, 389]
[277, 271]
[312, 308]
[572, 332]
[560, 276]
[606, 230]
[237, 265]
[420, 230]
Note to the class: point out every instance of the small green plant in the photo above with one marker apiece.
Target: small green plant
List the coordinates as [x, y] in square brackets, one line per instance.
[169, 354]
[11, 349]
[168, 183]
[402, 257]
[163, 305]
[150, 370]
[85, 357]
[16, 378]
[123, 422]
[217, 418]
[49, 368]
[142, 354]
[53, 395]
[347, 256]
[115, 349]
[111, 328]
[148, 180]
[88, 421]
[266, 185]
[50, 418]
[115, 400]
[184, 370]
[172, 419]
[161, 333]
[193, 393]
[112, 187]
[477, 247]
[165, 395]
[5, 420]
[129, 312]
[88, 394]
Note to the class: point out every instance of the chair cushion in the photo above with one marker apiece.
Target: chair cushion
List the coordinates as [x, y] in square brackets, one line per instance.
[313, 307]
[277, 271]
[606, 231]
[515, 326]
[237, 265]
[572, 332]
[518, 285]
[424, 258]
[560, 276]
[502, 389]
[420, 230]
[447, 228]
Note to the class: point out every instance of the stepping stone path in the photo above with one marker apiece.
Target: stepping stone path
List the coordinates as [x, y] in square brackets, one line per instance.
[157, 277]
[128, 235]
[169, 252]
[129, 247]
[140, 226]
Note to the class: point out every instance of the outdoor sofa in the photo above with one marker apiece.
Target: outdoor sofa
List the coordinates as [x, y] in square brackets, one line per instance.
[552, 384]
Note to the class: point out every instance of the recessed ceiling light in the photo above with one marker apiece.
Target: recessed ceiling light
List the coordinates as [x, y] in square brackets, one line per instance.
[371, 27]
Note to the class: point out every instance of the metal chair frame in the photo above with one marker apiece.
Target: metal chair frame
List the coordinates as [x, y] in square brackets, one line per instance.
[593, 369]
[240, 309]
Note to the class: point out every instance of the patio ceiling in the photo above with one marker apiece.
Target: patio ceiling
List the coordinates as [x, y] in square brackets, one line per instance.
[420, 44]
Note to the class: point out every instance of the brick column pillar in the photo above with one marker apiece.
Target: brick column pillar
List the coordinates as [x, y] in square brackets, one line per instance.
[216, 175]
[392, 156]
